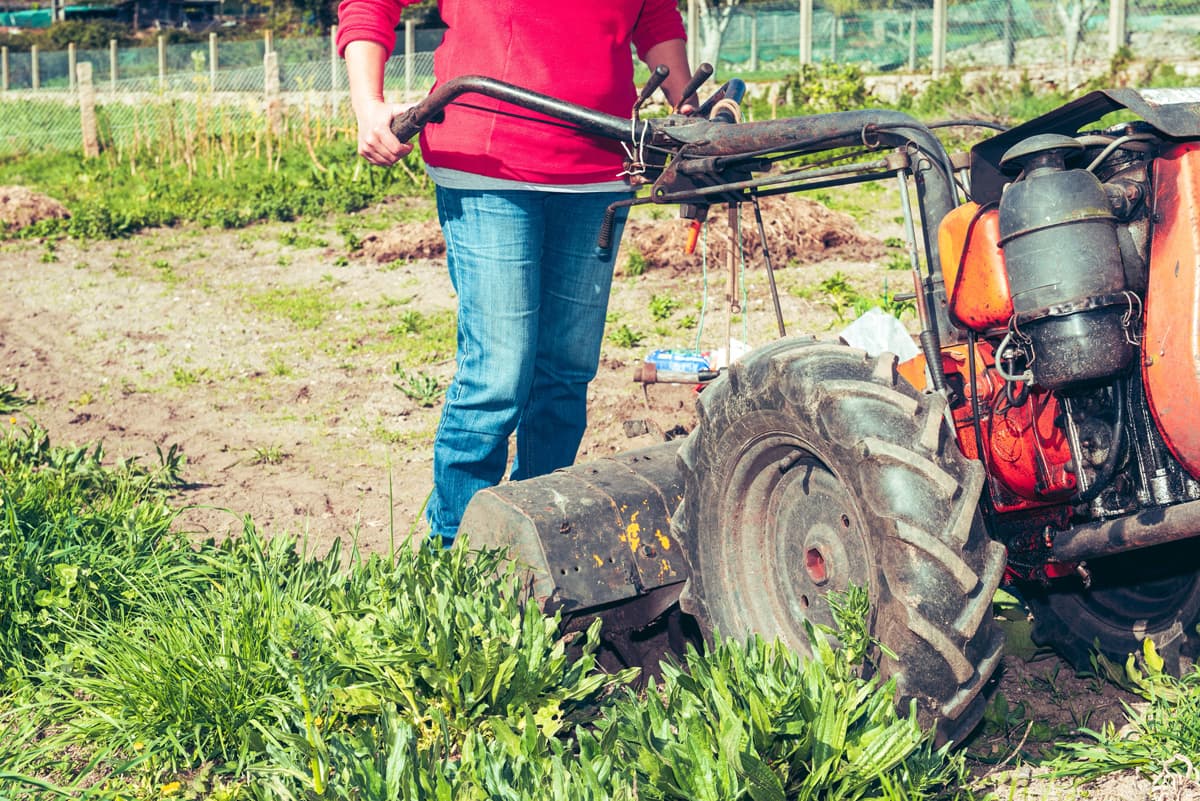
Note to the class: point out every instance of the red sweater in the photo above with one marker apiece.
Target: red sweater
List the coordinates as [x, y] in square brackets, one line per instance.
[577, 51]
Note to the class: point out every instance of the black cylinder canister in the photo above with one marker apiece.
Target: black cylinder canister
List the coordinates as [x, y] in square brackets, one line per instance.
[1059, 238]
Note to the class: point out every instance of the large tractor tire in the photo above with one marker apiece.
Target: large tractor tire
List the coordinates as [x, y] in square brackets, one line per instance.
[1151, 593]
[814, 468]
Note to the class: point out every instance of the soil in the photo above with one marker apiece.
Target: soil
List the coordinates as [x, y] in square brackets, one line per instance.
[276, 357]
[20, 207]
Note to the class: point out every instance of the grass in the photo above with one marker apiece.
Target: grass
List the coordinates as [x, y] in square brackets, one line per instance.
[848, 303]
[304, 307]
[11, 399]
[142, 666]
[189, 161]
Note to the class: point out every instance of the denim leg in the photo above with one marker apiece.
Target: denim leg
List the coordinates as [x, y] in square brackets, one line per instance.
[493, 247]
[574, 301]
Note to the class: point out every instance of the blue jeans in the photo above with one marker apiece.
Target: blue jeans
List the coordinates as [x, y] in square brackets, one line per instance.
[532, 299]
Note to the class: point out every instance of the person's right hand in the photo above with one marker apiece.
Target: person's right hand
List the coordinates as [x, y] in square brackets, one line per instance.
[375, 140]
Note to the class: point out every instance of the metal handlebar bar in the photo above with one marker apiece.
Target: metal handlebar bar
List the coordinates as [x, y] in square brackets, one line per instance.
[406, 125]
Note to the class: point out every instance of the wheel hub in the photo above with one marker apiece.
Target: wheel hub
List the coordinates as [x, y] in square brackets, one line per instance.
[793, 538]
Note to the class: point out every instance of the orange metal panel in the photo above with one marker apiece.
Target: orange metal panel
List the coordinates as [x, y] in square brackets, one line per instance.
[1171, 359]
[1029, 460]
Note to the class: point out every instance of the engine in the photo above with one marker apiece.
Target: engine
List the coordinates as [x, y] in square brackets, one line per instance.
[1077, 384]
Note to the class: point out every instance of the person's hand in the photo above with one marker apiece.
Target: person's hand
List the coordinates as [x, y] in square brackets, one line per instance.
[375, 140]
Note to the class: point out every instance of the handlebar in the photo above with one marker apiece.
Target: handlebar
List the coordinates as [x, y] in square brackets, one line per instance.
[702, 158]
[407, 124]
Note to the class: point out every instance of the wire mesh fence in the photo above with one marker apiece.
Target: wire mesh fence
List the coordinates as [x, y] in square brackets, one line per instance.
[38, 106]
[1010, 33]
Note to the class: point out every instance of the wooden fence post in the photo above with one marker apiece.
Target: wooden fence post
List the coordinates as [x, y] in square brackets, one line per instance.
[87, 111]
[1118, 26]
[912, 41]
[72, 60]
[271, 91]
[212, 60]
[4, 68]
[333, 70]
[162, 63]
[112, 65]
[268, 42]
[939, 37]
[410, 38]
[753, 63]
[806, 31]
[35, 71]
[693, 33]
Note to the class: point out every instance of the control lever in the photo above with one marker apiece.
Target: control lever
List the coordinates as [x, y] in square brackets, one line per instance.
[656, 78]
[604, 240]
[733, 89]
[702, 74]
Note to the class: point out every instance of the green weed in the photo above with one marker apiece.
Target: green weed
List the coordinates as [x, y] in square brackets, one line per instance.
[304, 307]
[183, 378]
[1164, 736]
[294, 238]
[11, 400]
[145, 666]
[663, 306]
[625, 337]
[635, 264]
[423, 388]
[267, 454]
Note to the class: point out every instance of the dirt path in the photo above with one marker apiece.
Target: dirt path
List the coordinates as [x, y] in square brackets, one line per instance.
[278, 357]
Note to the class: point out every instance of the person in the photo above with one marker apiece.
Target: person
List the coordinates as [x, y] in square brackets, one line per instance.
[520, 203]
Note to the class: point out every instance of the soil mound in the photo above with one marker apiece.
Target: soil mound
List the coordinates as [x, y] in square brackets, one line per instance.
[20, 207]
[799, 231]
[407, 241]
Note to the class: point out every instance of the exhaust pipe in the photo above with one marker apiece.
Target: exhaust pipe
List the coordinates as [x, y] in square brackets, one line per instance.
[1150, 527]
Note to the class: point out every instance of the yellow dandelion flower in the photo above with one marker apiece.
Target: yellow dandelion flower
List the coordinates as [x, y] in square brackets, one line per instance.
[170, 789]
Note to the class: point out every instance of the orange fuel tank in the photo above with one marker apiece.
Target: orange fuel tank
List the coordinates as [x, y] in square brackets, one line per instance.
[973, 267]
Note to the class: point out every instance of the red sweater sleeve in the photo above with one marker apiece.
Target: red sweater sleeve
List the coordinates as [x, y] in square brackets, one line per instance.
[370, 20]
[659, 22]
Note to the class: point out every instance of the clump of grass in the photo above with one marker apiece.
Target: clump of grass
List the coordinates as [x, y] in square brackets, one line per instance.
[756, 720]
[625, 337]
[635, 264]
[267, 454]
[1160, 740]
[847, 302]
[423, 388]
[306, 308]
[77, 536]
[663, 306]
[11, 400]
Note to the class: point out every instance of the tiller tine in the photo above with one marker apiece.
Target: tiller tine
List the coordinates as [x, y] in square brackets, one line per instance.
[595, 538]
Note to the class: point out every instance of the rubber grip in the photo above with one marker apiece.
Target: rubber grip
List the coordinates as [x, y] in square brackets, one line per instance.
[656, 78]
[702, 74]
[405, 126]
[604, 240]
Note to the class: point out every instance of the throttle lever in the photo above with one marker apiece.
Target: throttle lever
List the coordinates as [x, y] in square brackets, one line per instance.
[702, 74]
[656, 79]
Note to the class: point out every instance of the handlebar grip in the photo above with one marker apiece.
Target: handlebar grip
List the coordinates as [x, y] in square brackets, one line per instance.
[702, 74]
[406, 125]
[656, 78]
[604, 240]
